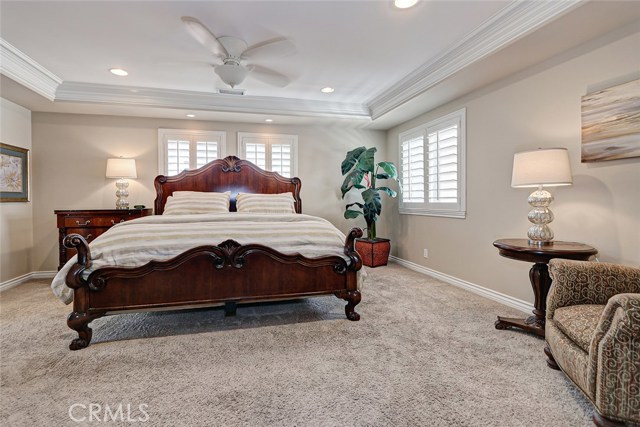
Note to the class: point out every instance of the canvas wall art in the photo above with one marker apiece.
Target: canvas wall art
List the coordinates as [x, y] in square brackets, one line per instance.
[611, 123]
[14, 174]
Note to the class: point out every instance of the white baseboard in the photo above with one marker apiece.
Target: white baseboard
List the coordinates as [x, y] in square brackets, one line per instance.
[472, 287]
[26, 277]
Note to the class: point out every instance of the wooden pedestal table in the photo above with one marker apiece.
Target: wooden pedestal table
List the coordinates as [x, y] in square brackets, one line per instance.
[521, 250]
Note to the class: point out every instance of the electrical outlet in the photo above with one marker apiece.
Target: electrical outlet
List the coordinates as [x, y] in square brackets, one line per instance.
[425, 253]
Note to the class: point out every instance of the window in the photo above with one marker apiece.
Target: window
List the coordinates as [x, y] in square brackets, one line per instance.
[180, 149]
[276, 153]
[432, 167]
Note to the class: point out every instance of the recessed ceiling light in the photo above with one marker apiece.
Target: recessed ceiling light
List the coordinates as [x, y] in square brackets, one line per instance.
[191, 115]
[405, 4]
[119, 72]
[268, 120]
[327, 89]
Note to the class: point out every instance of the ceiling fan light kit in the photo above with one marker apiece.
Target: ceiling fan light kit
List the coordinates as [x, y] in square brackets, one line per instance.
[234, 51]
[231, 74]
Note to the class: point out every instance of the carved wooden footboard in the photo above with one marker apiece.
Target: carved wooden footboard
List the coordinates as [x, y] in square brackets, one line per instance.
[210, 275]
[207, 275]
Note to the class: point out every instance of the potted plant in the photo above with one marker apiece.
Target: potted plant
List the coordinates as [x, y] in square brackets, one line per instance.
[362, 173]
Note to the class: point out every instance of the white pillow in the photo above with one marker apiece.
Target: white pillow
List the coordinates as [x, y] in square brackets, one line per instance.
[195, 202]
[265, 203]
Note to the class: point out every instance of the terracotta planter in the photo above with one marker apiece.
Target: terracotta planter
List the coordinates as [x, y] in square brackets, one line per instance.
[374, 253]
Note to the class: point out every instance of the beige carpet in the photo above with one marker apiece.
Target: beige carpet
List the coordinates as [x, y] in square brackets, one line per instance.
[424, 354]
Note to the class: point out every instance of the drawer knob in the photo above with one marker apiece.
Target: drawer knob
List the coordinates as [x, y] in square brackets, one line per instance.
[87, 222]
[113, 222]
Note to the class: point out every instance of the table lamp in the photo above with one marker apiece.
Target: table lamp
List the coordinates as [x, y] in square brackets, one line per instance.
[541, 168]
[122, 169]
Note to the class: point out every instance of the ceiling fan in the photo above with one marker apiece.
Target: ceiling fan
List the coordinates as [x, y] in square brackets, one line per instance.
[233, 52]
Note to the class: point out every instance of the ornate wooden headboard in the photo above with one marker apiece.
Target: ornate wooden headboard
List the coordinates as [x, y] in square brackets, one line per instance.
[228, 174]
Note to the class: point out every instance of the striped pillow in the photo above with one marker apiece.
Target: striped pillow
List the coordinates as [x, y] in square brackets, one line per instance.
[194, 202]
[265, 203]
[204, 194]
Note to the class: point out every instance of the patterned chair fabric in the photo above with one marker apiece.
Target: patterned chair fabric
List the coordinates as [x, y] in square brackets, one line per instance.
[593, 331]
[579, 322]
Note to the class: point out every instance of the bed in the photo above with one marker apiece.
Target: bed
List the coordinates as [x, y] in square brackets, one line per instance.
[224, 272]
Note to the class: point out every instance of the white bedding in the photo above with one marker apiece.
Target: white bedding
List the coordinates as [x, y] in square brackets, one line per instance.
[161, 237]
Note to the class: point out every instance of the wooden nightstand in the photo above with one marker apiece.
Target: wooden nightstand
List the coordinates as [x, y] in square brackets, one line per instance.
[90, 223]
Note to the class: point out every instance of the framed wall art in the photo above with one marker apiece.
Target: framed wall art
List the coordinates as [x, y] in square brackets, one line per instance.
[611, 123]
[14, 174]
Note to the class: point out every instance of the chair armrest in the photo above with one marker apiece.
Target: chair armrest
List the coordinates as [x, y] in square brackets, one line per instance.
[614, 358]
[586, 282]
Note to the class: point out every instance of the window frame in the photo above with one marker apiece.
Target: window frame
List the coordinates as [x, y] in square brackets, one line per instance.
[291, 139]
[192, 136]
[450, 210]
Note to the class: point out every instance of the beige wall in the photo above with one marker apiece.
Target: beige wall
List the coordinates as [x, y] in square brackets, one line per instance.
[72, 152]
[538, 108]
[16, 218]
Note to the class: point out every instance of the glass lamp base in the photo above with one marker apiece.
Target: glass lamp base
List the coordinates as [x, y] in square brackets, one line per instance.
[122, 194]
[539, 233]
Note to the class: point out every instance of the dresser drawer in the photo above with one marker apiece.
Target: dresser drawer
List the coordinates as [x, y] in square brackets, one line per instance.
[90, 223]
[93, 221]
[89, 234]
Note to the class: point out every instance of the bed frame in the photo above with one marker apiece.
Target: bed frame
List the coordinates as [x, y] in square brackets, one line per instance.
[211, 275]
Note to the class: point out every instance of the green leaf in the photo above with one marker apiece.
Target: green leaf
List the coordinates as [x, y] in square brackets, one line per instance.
[353, 179]
[390, 169]
[372, 204]
[366, 161]
[351, 159]
[389, 191]
[351, 214]
[382, 176]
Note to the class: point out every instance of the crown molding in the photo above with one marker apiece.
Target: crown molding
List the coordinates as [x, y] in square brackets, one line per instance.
[18, 66]
[519, 18]
[516, 20]
[205, 101]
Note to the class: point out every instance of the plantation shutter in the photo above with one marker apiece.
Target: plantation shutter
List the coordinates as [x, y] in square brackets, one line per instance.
[413, 169]
[177, 156]
[442, 160]
[432, 167]
[256, 152]
[276, 153]
[281, 159]
[179, 149]
[206, 151]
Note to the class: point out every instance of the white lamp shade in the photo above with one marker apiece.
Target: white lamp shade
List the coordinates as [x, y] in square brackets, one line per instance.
[548, 167]
[121, 168]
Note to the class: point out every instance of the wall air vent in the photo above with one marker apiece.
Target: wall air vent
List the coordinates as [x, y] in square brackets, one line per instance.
[232, 91]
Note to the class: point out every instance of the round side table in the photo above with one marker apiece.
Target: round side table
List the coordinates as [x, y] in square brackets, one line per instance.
[521, 250]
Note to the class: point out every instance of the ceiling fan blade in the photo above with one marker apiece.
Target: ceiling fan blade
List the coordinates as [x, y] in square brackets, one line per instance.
[202, 34]
[268, 76]
[273, 48]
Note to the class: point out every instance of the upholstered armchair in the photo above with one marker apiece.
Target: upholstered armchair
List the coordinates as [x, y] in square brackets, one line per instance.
[592, 333]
